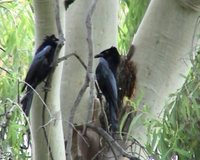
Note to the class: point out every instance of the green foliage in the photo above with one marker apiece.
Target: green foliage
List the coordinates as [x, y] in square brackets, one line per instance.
[178, 132]
[130, 16]
[12, 131]
[135, 112]
[16, 43]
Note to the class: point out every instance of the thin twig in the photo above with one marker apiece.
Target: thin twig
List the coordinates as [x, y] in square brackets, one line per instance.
[90, 58]
[71, 117]
[5, 70]
[48, 122]
[110, 140]
[38, 96]
[43, 126]
[102, 102]
[18, 91]
[2, 49]
[69, 55]
[43, 117]
[26, 118]
[89, 78]
[101, 150]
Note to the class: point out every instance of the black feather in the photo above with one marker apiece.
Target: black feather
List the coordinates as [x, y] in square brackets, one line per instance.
[39, 69]
[106, 78]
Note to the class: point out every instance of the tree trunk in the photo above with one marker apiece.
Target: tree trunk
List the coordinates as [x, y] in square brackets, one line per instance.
[163, 44]
[46, 25]
[104, 36]
[104, 26]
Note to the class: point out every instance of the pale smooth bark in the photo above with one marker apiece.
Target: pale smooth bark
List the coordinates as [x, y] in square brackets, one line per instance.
[163, 44]
[46, 25]
[104, 36]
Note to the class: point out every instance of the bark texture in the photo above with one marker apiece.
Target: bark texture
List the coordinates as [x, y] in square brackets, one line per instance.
[45, 24]
[104, 36]
[163, 45]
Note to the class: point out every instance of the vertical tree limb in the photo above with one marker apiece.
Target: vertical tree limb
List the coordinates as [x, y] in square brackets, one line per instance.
[54, 65]
[71, 118]
[89, 78]
[90, 57]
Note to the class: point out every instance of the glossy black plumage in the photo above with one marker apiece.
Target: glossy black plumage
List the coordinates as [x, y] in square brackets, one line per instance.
[106, 78]
[39, 69]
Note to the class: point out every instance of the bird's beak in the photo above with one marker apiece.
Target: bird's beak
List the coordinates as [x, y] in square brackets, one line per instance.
[98, 55]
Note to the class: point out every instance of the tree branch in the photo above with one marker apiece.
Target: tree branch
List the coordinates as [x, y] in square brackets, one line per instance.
[90, 58]
[111, 141]
[71, 117]
[88, 78]
[75, 55]
[54, 65]
[2, 49]
[5, 70]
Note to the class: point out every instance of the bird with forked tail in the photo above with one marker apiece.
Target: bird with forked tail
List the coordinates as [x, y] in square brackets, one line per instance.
[39, 69]
[106, 78]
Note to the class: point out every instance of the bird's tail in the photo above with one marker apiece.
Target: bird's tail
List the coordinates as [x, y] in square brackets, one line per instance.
[27, 101]
[113, 117]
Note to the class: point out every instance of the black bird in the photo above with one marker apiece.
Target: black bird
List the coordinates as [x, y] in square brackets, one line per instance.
[38, 70]
[106, 78]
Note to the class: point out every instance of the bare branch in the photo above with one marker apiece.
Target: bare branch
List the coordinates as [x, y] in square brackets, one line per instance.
[38, 97]
[5, 70]
[26, 118]
[90, 58]
[111, 141]
[89, 78]
[2, 49]
[71, 117]
[75, 55]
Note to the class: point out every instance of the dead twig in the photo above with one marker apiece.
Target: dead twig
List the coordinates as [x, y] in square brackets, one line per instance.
[70, 55]
[35, 92]
[109, 139]
[5, 70]
[71, 117]
[2, 49]
[90, 58]
[88, 78]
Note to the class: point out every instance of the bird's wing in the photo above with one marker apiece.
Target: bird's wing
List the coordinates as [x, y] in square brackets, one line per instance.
[107, 81]
[37, 61]
[107, 84]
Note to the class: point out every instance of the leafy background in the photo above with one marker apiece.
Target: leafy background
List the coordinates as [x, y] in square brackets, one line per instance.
[16, 43]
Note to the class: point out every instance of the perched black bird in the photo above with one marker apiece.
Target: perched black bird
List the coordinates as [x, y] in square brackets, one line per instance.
[39, 69]
[106, 78]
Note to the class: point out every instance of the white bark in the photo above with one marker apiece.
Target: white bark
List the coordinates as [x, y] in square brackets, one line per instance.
[104, 36]
[46, 25]
[163, 44]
